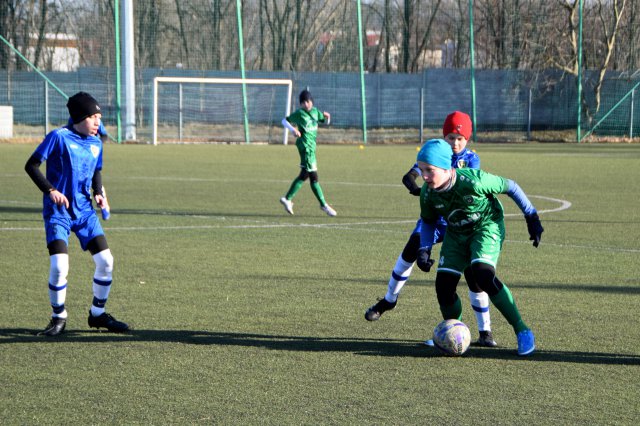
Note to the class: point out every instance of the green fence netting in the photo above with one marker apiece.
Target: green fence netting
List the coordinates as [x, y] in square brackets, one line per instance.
[417, 65]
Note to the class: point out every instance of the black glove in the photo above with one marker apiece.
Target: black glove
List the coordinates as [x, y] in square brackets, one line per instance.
[409, 181]
[535, 228]
[424, 261]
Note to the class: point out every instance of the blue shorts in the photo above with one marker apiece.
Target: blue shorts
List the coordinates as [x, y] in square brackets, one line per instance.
[86, 229]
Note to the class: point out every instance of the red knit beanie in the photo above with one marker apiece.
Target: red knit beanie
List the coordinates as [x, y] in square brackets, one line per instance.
[458, 122]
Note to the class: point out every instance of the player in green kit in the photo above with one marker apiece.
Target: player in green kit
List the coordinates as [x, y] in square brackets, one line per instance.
[466, 198]
[303, 123]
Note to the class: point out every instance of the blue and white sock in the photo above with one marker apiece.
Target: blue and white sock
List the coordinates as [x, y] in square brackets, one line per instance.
[102, 279]
[399, 276]
[480, 305]
[58, 271]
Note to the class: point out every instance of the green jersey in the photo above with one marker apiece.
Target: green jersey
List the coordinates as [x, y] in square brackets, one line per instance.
[307, 124]
[469, 205]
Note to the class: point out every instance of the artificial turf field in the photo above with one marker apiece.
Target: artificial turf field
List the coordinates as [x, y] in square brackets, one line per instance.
[243, 314]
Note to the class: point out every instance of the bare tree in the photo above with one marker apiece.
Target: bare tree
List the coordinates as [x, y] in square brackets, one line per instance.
[423, 35]
[610, 26]
[7, 20]
[406, 34]
[182, 20]
[609, 19]
[146, 32]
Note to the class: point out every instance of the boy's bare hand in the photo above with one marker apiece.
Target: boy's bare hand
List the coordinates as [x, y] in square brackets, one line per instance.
[102, 201]
[58, 198]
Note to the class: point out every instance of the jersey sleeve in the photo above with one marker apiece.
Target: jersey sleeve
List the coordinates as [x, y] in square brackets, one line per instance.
[99, 162]
[416, 169]
[48, 145]
[319, 115]
[491, 184]
[474, 161]
[294, 118]
[427, 211]
[102, 131]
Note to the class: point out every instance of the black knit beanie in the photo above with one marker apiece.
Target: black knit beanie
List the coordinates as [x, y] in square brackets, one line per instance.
[82, 105]
[305, 95]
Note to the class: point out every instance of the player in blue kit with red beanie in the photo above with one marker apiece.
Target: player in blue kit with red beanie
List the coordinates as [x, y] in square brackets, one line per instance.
[457, 130]
[74, 162]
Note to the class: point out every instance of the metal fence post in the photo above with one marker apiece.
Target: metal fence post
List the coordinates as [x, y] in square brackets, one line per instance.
[421, 115]
[46, 108]
[633, 92]
[529, 115]
[180, 112]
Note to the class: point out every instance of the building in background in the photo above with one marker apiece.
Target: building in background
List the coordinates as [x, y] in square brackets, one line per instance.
[54, 52]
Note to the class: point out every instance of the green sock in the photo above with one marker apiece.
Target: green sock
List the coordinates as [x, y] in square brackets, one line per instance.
[507, 306]
[452, 311]
[317, 191]
[294, 188]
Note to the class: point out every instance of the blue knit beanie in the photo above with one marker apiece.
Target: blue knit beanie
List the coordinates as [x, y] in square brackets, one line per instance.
[436, 152]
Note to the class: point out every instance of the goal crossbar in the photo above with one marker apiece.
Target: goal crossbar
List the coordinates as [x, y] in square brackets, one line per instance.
[213, 80]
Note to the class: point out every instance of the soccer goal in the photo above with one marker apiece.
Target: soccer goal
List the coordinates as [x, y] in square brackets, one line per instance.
[220, 110]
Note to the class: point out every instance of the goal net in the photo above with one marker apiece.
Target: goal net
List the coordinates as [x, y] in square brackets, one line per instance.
[220, 110]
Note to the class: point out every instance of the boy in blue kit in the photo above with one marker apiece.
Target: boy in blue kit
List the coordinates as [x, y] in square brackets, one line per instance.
[74, 162]
[456, 130]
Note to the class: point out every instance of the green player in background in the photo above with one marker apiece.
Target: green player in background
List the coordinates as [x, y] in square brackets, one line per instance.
[303, 123]
[466, 198]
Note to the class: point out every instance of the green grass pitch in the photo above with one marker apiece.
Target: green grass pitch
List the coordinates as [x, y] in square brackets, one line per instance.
[243, 314]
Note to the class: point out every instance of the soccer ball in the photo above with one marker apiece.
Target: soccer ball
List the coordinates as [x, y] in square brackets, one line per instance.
[452, 337]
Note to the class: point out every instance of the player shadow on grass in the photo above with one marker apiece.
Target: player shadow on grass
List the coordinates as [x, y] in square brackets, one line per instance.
[358, 346]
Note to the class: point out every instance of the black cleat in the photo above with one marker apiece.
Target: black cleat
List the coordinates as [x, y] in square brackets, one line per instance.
[486, 339]
[107, 321]
[375, 312]
[56, 327]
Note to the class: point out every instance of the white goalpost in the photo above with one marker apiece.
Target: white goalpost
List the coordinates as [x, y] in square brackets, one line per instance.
[187, 109]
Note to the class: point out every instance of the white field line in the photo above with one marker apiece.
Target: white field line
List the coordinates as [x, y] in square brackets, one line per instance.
[355, 226]
[190, 179]
[367, 226]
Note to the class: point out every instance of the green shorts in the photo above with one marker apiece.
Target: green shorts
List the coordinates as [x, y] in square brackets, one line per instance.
[459, 250]
[307, 158]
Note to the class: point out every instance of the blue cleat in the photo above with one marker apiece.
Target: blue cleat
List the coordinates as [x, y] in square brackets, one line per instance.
[526, 342]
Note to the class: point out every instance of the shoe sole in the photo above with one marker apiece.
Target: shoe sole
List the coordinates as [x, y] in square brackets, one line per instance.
[484, 344]
[44, 333]
[529, 352]
[119, 330]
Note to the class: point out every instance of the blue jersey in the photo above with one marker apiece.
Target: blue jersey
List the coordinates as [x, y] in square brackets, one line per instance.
[465, 159]
[71, 159]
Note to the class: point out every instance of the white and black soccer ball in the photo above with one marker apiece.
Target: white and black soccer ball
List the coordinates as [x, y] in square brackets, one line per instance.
[452, 337]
